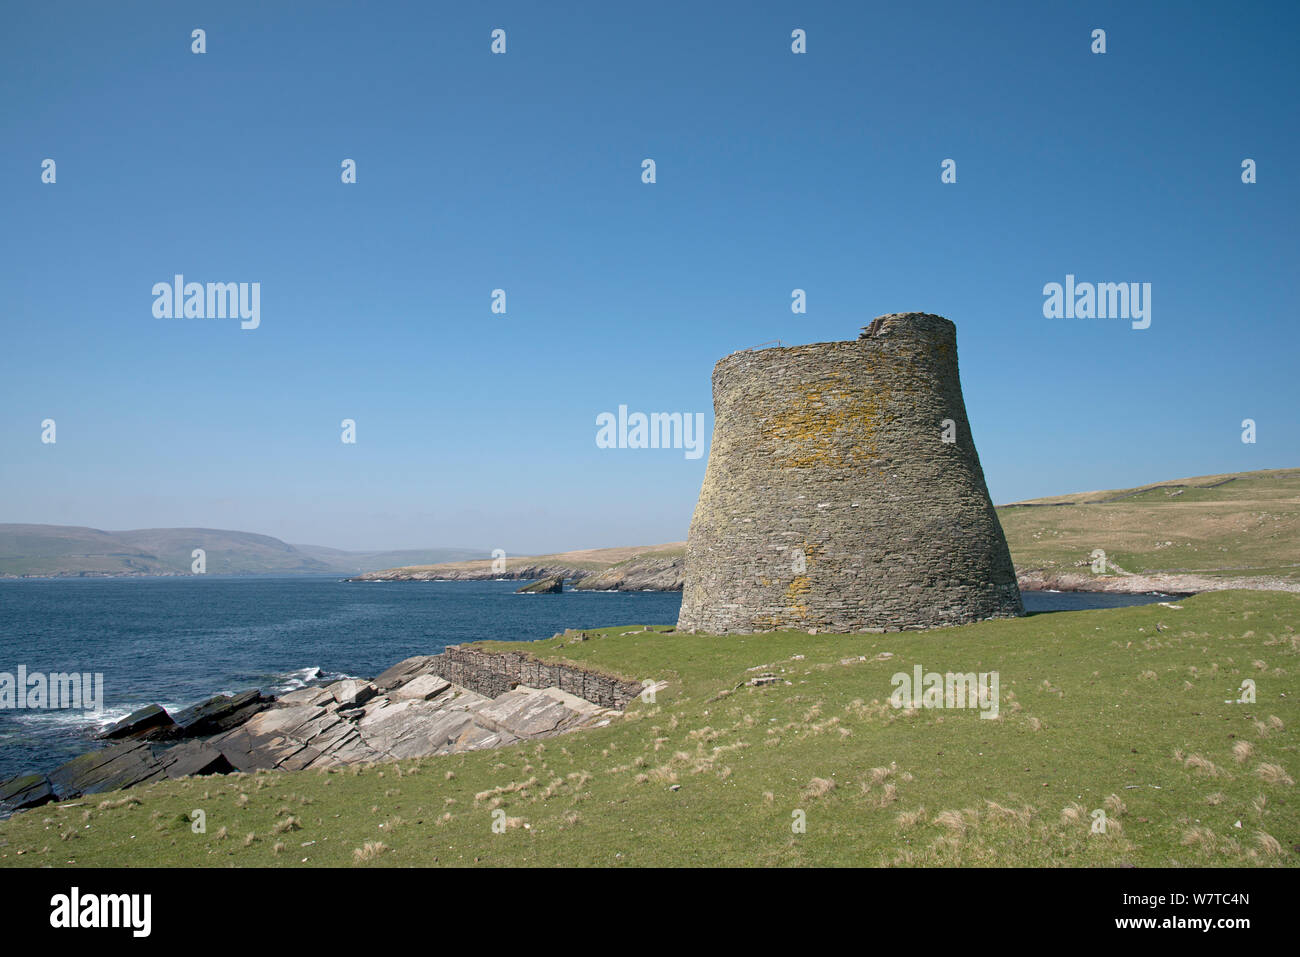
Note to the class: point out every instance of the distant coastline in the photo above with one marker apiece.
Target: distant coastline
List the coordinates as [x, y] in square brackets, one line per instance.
[1214, 532]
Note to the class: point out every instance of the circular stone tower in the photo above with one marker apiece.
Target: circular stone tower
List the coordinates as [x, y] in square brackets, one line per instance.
[843, 492]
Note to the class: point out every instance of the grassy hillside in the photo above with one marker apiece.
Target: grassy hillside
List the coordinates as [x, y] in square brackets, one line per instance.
[1246, 524]
[349, 563]
[1123, 710]
[64, 550]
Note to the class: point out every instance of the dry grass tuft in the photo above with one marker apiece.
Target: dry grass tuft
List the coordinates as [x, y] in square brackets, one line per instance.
[1274, 774]
[1072, 813]
[1268, 844]
[1202, 764]
[369, 851]
[952, 820]
[817, 788]
[120, 802]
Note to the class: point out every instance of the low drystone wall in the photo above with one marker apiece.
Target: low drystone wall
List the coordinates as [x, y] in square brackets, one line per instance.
[492, 675]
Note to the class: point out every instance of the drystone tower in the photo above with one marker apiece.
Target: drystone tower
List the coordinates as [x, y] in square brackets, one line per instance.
[843, 492]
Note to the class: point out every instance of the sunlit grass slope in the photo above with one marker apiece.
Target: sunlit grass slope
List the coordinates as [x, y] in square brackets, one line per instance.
[1132, 711]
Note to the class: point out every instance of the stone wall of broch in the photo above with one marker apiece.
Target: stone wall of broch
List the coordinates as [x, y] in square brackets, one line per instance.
[831, 501]
[492, 675]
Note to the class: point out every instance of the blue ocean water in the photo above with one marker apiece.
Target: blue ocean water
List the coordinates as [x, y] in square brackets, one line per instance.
[175, 641]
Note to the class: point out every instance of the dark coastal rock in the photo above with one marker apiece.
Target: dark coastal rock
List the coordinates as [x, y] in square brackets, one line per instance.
[193, 758]
[150, 721]
[117, 766]
[28, 790]
[552, 585]
[219, 713]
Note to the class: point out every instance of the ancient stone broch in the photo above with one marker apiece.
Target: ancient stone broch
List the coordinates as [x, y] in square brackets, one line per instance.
[831, 501]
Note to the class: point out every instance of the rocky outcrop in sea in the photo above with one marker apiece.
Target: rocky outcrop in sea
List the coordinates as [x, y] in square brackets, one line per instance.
[551, 585]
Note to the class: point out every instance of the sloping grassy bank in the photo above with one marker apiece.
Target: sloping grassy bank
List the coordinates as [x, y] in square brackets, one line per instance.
[1218, 526]
[1132, 711]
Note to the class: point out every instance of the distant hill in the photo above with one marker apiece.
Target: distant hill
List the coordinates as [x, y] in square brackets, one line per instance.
[357, 562]
[1231, 526]
[69, 551]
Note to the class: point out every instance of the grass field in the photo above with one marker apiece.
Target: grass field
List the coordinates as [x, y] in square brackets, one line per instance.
[1247, 524]
[1132, 711]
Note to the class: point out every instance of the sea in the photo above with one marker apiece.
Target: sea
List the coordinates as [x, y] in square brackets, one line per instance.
[178, 641]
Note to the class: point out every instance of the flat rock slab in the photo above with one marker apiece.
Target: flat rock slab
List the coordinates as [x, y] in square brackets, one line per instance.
[147, 721]
[219, 713]
[293, 738]
[475, 737]
[533, 713]
[423, 688]
[416, 729]
[193, 758]
[317, 696]
[405, 671]
[117, 766]
[28, 790]
[351, 692]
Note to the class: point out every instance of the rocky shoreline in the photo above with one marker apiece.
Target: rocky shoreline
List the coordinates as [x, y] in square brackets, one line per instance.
[463, 699]
[647, 572]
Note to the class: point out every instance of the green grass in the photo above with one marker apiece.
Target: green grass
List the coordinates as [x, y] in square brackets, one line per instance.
[1124, 709]
[1248, 526]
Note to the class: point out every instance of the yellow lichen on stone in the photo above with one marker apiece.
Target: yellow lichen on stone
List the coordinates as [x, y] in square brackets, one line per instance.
[794, 595]
[826, 428]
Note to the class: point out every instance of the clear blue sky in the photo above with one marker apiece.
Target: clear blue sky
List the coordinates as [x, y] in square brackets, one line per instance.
[523, 171]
